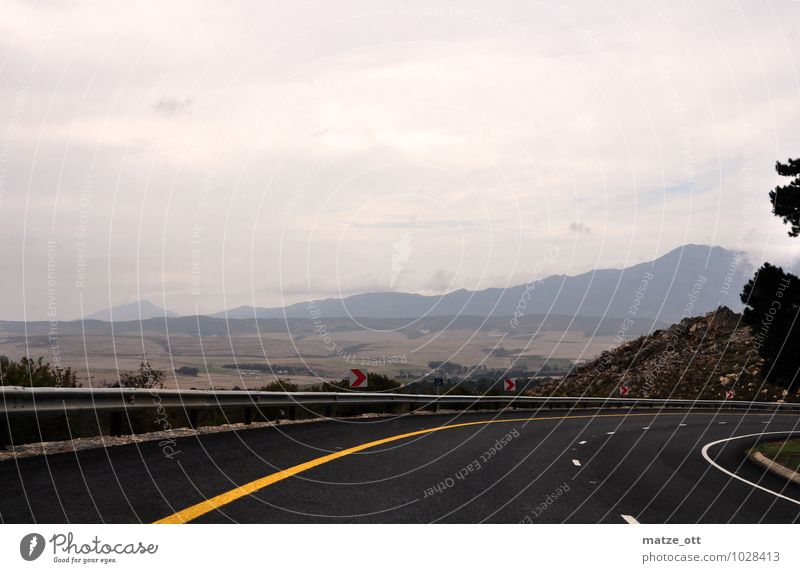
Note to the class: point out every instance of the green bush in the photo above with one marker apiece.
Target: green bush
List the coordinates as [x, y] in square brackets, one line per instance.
[35, 374]
[145, 377]
[279, 386]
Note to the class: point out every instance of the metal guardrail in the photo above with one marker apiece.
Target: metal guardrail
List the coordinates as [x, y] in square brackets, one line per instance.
[15, 400]
[19, 401]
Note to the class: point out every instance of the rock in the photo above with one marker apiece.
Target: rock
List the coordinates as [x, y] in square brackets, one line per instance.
[678, 361]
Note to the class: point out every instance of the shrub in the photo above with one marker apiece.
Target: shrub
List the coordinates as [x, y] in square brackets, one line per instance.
[35, 374]
[145, 377]
[187, 371]
[279, 386]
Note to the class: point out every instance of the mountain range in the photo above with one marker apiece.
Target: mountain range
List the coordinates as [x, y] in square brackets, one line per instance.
[690, 280]
[687, 281]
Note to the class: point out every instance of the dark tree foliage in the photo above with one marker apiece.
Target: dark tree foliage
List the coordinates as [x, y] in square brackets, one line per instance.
[786, 198]
[445, 366]
[35, 373]
[187, 371]
[379, 382]
[279, 386]
[772, 299]
[145, 377]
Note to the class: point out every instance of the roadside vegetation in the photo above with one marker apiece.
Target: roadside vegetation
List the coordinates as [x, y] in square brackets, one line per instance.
[785, 452]
[35, 374]
[772, 297]
[145, 377]
[57, 427]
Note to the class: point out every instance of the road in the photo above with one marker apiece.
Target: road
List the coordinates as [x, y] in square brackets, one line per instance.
[579, 466]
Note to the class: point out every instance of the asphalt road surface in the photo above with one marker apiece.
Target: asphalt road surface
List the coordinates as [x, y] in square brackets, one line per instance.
[581, 466]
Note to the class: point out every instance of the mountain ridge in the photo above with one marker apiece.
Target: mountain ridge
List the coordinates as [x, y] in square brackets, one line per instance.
[600, 292]
[139, 310]
[692, 278]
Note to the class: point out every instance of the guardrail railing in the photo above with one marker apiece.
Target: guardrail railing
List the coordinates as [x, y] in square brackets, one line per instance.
[18, 401]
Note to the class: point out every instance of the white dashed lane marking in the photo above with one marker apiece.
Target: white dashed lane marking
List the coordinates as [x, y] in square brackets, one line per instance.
[629, 518]
[581, 442]
[576, 462]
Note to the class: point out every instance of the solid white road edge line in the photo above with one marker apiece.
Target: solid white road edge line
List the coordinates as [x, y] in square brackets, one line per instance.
[705, 449]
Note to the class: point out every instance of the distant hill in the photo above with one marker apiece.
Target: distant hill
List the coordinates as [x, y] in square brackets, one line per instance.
[298, 327]
[669, 293]
[140, 310]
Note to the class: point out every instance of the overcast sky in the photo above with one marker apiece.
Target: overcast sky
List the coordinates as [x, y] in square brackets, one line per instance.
[206, 155]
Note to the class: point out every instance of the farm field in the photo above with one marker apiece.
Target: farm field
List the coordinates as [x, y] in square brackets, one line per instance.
[299, 355]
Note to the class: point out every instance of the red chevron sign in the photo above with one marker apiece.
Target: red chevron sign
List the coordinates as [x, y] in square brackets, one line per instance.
[623, 390]
[359, 379]
[511, 386]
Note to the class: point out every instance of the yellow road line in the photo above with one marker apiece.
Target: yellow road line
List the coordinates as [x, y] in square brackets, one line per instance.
[195, 511]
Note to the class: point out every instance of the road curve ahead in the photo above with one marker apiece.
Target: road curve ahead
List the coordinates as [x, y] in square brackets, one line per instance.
[580, 466]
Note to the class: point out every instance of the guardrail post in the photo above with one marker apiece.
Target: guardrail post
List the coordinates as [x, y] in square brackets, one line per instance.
[328, 411]
[292, 413]
[5, 437]
[115, 424]
[193, 419]
[248, 416]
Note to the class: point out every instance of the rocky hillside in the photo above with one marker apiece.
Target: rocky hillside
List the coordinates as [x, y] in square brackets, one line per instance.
[699, 358]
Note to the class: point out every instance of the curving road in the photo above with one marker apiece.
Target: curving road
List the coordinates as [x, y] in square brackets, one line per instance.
[581, 466]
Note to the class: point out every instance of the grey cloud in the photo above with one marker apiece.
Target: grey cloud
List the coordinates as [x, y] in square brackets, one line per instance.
[170, 107]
